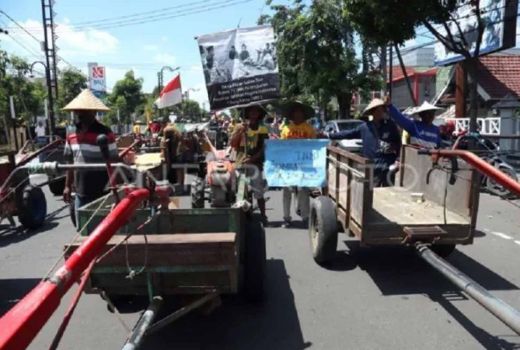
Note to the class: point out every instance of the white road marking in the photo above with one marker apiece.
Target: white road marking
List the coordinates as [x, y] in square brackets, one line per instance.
[517, 242]
[501, 235]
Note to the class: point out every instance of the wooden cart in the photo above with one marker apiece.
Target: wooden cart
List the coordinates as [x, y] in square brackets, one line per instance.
[436, 205]
[178, 251]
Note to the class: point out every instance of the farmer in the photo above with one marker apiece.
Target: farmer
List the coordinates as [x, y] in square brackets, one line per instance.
[297, 114]
[248, 141]
[81, 147]
[381, 140]
[422, 131]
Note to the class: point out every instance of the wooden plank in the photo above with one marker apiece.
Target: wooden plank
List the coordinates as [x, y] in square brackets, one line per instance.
[170, 250]
[394, 205]
[349, 155]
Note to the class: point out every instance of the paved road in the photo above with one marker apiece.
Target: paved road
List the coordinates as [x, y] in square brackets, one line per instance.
[369, 299]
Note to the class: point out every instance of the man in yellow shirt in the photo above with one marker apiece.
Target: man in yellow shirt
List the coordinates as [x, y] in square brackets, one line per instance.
[248, 142]
[297, 113]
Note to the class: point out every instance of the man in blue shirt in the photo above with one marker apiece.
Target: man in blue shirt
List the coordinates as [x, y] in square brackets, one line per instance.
[381, 141]
[422, 132]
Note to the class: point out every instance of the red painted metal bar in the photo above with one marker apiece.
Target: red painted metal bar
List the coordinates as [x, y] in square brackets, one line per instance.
[482, 166]
[70, 311]
[21, 324]
[45, 148]
[129, 148]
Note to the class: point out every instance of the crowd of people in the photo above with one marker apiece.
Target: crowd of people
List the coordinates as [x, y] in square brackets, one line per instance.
[381, 135]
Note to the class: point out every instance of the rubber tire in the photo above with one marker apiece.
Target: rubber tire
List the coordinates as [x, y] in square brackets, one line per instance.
[197, 193]
[57, 187]
[254, 261]
[497, 189]
[31, 207]
[323, 229]
[443, 250]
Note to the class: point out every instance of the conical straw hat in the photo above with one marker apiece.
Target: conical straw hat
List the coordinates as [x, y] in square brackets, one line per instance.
[376, 102]
[86, 101]
[426, 107]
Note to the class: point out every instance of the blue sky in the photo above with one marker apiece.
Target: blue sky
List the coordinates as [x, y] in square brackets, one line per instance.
[145, 48]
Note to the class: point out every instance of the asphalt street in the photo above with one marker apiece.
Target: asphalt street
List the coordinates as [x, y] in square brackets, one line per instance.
[370, 298]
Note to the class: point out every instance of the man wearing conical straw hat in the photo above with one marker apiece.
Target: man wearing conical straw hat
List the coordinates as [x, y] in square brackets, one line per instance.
[422, 131]
[381, 140]
[82, 147]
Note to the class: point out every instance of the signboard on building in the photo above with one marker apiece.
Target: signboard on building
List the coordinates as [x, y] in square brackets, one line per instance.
[97, 78]
[499, 18]
[240, 66]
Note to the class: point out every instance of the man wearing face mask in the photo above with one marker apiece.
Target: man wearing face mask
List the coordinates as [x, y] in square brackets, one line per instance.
[381, 140]
[82, 147]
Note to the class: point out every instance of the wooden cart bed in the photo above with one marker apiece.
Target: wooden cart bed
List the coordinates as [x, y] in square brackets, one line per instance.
[382, 215]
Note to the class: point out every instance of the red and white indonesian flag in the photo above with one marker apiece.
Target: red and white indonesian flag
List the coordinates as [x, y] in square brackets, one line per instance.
[171, 94]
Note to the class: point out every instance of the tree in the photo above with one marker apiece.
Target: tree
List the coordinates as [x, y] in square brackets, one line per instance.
[28, 94]
[386, 22]
[188, 109]
[70, 84]
[127, 96]
[317, 55]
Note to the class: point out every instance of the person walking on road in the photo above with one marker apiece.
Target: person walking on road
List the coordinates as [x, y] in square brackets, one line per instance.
[81, 147]
[248, 141]
[381, 141]
[297, 128]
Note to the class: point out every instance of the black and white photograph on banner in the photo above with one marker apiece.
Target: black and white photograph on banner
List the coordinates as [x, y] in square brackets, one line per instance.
[240, 66]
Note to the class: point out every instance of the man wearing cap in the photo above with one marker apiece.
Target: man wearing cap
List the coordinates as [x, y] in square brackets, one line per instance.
[248, 141]
[422, 132]
[381, 140]
[297, 128]
[82, 147]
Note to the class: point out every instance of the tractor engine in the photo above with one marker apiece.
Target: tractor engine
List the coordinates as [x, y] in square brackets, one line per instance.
[221, 180]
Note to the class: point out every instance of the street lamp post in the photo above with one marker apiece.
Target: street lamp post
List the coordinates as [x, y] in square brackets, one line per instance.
[50, 99]
[160, 78]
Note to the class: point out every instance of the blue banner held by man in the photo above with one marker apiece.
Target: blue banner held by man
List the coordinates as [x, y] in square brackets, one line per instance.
[299, 163]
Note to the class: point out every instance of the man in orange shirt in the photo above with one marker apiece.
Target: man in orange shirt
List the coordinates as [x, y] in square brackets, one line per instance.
[297, 113]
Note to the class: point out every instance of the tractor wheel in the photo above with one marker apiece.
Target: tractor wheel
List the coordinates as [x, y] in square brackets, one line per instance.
[323, 229]
[57, 186]
[31, 207]
[197, 193]
[254, 261]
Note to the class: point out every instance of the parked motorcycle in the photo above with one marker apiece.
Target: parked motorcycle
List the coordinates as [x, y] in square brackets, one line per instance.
[490, 152]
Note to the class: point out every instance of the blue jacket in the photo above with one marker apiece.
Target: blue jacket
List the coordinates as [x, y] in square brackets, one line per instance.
[380, 144]
[421, 134]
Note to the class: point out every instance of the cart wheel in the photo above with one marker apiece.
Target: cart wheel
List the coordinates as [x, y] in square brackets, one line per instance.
[31, 207]
[323, 229]
[443, 250]
[57, 186]
[254, 262]
[197, 193]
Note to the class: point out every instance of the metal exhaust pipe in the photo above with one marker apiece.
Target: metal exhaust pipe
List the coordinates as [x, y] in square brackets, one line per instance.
[503, 311]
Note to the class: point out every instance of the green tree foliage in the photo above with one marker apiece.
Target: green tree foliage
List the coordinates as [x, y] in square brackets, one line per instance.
[127, 96]
[384, 21]
[188, 109]
[28, 94]
[70, 84]
[316, 53]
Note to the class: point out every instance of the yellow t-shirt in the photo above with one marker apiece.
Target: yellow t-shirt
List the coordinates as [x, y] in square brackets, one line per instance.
[249, 145]
[300, 131]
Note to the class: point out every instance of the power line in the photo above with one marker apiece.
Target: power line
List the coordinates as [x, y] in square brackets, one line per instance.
[148, 19]
[34, 37]
[23, 46]
[140, 14]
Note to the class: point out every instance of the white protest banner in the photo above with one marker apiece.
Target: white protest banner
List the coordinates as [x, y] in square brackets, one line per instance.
[240, 66]
[300, 163]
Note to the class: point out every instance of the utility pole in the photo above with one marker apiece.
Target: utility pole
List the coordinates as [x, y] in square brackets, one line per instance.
[49, 48]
